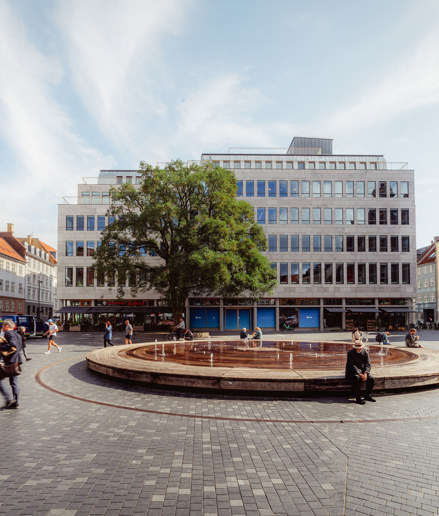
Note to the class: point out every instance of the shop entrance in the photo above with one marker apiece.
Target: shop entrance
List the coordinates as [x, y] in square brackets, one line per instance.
[237, 318]
[429, 315]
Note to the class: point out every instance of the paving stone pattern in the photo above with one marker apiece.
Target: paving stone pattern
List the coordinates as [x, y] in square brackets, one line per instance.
[61, 456]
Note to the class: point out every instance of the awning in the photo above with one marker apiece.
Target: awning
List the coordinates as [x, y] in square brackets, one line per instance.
[104, 309]
[366, 310]
[126, 309]
[400, 310]
[73, 310]
[335, 309]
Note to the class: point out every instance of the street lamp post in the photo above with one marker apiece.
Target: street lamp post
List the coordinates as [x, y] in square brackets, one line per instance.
[39, 295]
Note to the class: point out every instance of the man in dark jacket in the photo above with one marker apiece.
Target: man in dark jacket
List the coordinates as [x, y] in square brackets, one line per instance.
[358, 371]
[10, 347]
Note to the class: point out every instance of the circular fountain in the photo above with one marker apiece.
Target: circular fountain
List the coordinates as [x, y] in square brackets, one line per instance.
[268, 365]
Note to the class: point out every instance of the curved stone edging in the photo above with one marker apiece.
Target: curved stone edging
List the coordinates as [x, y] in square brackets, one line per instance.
[423, 371]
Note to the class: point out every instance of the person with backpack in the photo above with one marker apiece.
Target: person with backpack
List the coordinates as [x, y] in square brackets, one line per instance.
[10, 347]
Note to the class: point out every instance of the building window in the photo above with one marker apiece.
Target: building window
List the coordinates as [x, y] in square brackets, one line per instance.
[278, 164]
[289, 164]
[236, 164]
[361, 216]
[90, 248]
[394, 273]
[372, 244]
[432, 297]
[258, 164]
[294, 188]
[69, 223]
[261, 215]
[339, 215]
[419, 271]
[393, 189]
[361, 274]
[352, 166]
[90, 223]
[101, 223]
[382, 185]
[405, 217]
[426, 298]
[294, 214]
[247, 164]
[69, 248]
[327, 212]
[360, 188]
[349, 188]
[272, 218]
[338, 189]
[317, 243]
[342, 166]
[327, 189]
[306, 273]
[69, 277]
[283, 189]
[339, 243]
[350, 244]
[404, 189]
[372, 216]
[317, 273]
[95, 198]
[261, 188]
[371, 189]
[80, 223]
[350, 273]
[331, 165]
[339, 276]
[295, 273]
[425, 270]
[316, 216]
[90, 277]
[361, 244]
[294, 243]
[316, 188]
[105, 197]
[362, 166]
[372, 166]
[283, 270]
[328, 273]
[12, 286]
[271, 188]
[384, 274]
[272, 243]
[305, 188]
[250, 188]
[349, 215]
[79, 276]
[305, 215]
[283, 215]
[327, 239]
[239, 187]
[268, 164]
[283, 243]
[406, 274]
[301, 165]
[372, 273]
[425, 283]
[85, 198]
[80, 248]
[419, 284]
[394, 217]
[431, 282]
[306, 243]
[394, 244]
[383, 216]
[383, 244]
[431, 268]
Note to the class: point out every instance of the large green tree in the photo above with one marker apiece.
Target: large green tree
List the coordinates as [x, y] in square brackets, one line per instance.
[203, 240]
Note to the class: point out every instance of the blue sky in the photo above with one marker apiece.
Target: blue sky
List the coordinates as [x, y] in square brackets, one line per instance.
[105, 84]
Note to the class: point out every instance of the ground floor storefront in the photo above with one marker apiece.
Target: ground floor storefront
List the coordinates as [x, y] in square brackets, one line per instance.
[218, 314]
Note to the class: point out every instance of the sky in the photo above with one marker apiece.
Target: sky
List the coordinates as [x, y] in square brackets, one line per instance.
[105, 84]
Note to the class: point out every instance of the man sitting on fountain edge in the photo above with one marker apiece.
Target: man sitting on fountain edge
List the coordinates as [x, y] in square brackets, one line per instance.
[358, 371]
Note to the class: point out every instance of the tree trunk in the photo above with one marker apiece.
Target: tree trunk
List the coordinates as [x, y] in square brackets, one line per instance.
[177, 313]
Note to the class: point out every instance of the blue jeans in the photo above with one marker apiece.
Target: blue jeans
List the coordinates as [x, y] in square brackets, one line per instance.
[13, 382]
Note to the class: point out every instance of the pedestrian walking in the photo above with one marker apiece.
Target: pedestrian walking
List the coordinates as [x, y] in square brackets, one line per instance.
[53, 328]
[21, 331]
[10, 347]
[128, 332]
[108, 334]
[358, 372]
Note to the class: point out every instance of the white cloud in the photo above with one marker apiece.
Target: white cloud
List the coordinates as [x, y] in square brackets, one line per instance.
[49, 156]
[114, 51]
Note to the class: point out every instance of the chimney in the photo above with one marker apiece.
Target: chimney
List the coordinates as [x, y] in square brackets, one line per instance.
[29, 239]
[10, 228]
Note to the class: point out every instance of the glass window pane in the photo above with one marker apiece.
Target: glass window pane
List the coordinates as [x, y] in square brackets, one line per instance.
[373, 273]
[283, 273]
[322, 165]
[342, 166]
[349, 188]
[272, 216]
[283, 189]
[339, 215]
[69, 248]
[316, 216]
[351, 167]
[69, 276]
[372, 216]
[394, 273]
[69, 223]
[236, 164]
[101, 223]
[328, 215]
[95, 198]
[247, 164]
[305, 215]
[306, 273]
[283, 215]
[327, 188]
[278, 164]
[349, 215]
[394, 216]
[261, 188]
[406, 274]
[404, 189]
[316, 243]
[316, 185]
[372, 244]
[239, 187]
[249, 188]
[90, 223]
[85, 198]
[360, 216]
[350, 273]
[383, 244]
[80, 223]
[361, 244]
[339, 276]
[405, 244]
[405, 217]
[271, 188]
[383, 216]
[294, 243]
[261, 215]
[328, 273]
[305, 188]
[79, 248]
[283, 243]
[294, 213]
[339, 243]
[393, 189]
[258, 164]
[268, 164]
[350, 244]
[295, 273]
[294, 185]
[306, 244]
[383, 188]
[338, 188]
[317, 273]
[394, 244]
[289, 164]
[311, 166]
[90, 248]
[361, 274]
[79, 276]
[371, 189]
[272, 243]
[328, 243]
[360, 188]
[383, 274]
[301, 165]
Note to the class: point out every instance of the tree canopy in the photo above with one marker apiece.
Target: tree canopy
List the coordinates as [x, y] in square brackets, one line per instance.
[184, 232]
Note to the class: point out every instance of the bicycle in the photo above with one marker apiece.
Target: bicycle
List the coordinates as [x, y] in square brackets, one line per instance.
[173, 336]
[288, 327]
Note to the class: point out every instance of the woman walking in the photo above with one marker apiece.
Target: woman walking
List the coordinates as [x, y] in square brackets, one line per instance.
[53, 328]
[108, 334]
[21, 330]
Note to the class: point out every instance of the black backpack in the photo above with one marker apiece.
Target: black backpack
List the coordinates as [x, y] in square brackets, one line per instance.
[379, 337]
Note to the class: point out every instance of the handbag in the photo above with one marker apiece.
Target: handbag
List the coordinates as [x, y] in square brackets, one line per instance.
[9, 370]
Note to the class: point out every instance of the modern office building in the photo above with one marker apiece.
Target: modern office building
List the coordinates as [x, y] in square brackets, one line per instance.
[427, 283]
[341, 235]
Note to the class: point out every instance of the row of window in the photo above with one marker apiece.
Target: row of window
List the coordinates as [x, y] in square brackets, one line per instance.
[91, 223]
[424, 269]
[306, 273]
[11, 267]
[9, 286]
[338, 243]
[84, 277]
[33, 294]
[330, 189]
[426, 283]
[79, 249]
[300, 165]
[432, 298]
[7, 305]
[360, 216]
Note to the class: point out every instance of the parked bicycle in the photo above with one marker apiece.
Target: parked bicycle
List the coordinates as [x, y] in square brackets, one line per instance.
[288, 325]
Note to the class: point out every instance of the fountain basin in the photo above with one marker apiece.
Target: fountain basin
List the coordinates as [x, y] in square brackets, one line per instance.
[268, 366]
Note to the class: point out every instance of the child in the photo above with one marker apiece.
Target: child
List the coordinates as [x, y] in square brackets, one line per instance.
[20, 331]
[53, 328]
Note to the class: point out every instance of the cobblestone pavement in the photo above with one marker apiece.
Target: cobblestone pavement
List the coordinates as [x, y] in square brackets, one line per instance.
[160, 452]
